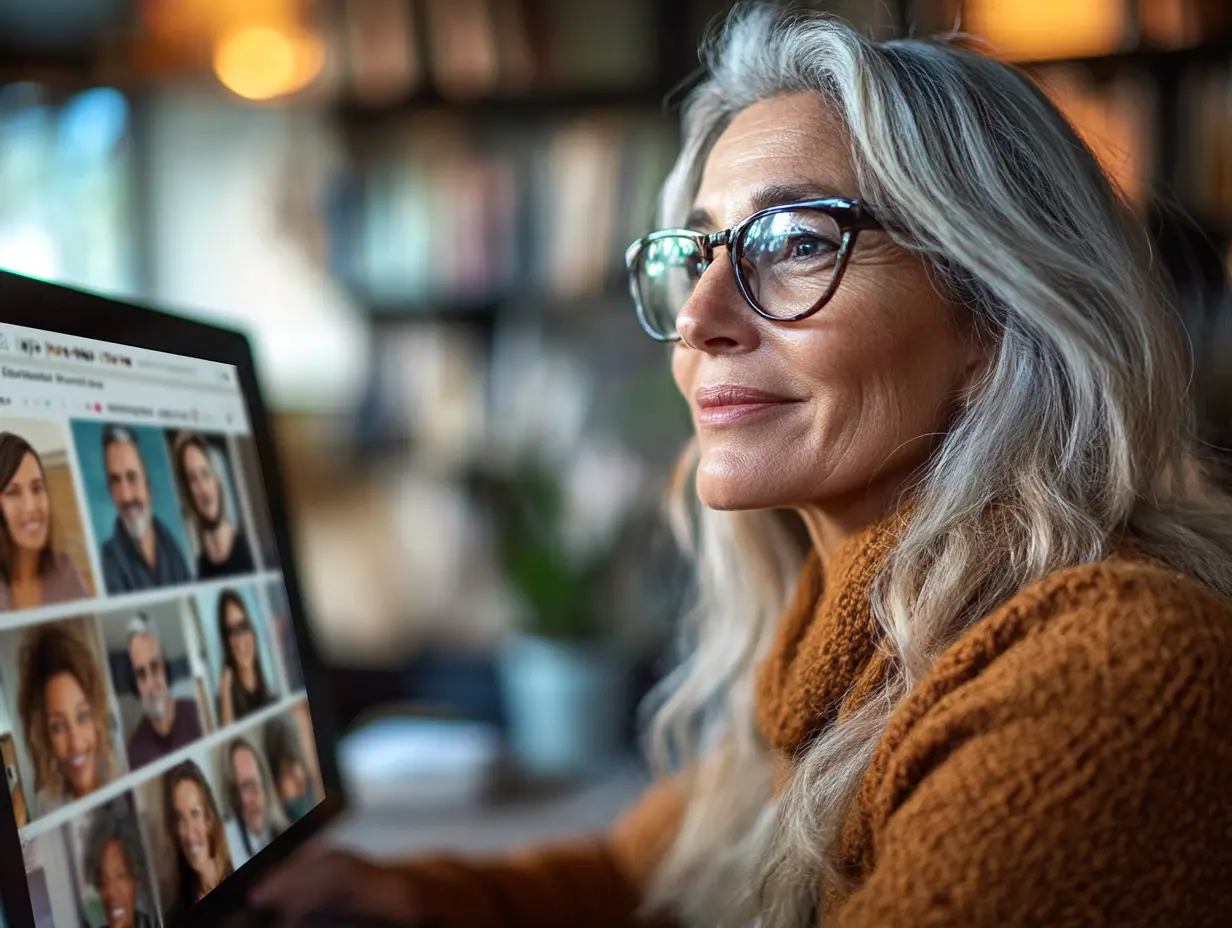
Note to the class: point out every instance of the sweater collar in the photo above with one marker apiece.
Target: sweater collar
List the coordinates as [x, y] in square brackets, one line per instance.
[825, 647]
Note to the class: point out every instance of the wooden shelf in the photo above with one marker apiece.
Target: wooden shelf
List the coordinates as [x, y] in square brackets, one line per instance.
[533, 104]
[513, 303]
[1149, 59]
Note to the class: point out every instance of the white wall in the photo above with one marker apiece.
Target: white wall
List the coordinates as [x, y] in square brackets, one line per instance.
[235, 195]
[50, 852]
[6, 719]
[45, 437]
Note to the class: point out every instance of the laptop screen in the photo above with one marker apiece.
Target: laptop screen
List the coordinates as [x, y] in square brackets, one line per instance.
[154, 727]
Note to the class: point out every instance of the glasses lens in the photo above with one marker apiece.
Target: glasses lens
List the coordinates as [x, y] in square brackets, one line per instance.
[667, 271]
[788, 260]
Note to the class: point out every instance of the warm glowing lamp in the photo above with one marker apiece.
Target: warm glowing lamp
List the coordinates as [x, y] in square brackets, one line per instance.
[1044, 29]
[261, 63]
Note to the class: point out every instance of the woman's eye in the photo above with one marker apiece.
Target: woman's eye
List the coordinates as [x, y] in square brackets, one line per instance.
[805, 246]
[83, 718]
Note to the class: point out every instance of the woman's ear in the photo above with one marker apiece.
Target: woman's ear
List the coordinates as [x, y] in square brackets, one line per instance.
[981, 352]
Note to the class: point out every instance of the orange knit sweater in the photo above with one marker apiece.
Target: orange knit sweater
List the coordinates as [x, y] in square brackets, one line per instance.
[1067, 762]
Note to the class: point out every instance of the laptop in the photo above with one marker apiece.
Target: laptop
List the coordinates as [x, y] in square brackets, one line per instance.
[162, 706]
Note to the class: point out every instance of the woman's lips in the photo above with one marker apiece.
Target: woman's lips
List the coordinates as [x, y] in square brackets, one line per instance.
[728, 404]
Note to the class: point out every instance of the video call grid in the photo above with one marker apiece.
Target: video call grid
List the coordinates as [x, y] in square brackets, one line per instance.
[275, 662]
[109, 598]
[62, 906]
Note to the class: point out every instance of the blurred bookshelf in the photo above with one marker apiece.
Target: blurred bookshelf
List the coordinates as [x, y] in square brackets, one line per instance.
[501, 154]
[459, 182]
[495, 181]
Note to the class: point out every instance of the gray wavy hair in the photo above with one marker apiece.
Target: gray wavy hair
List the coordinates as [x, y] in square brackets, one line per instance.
[1082, 433]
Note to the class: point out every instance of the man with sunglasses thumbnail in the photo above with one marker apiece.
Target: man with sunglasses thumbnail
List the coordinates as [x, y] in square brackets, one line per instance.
[168, 723]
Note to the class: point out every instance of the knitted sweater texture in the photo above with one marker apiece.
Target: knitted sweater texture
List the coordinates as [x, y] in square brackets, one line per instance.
[1067, 762]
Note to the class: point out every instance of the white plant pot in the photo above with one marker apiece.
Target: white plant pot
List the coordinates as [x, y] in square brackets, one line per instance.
[566, 704]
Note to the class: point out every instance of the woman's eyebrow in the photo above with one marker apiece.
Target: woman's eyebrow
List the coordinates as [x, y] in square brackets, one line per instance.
[699, 219]
[766, 196]
[781, 194]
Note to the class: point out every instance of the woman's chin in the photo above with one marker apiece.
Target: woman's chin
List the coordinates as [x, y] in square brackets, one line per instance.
[83, 786]
[728, 495]
[32, 545]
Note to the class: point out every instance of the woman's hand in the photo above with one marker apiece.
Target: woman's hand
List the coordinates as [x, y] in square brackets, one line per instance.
[319, 877]
[226, 709]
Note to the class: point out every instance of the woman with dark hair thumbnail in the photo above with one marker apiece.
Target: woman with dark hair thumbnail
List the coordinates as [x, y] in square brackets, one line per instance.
[224, 549]
[190, 814]
[114, 865]
[32, 572]
[242, 688]
[62, 701]
[291, 776]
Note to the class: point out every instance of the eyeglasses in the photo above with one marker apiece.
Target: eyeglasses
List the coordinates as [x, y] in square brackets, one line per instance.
[788, 261]
[144, 671]
[250, 787]
[242, 627]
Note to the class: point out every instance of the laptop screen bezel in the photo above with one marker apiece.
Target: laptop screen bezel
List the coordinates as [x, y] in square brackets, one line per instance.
[66, 311]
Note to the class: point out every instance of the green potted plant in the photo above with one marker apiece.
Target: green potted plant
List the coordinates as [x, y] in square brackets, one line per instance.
[563, 670]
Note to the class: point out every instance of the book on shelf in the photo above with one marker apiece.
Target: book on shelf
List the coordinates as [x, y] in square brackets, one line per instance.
[514, 54]
[446, 214]
[1183, 23]
[1204, 180]
[381, 50]
[600, 46]
[462, 47]
[579, 216]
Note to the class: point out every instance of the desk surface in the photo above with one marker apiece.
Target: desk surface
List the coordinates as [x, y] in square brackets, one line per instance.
[393, 832]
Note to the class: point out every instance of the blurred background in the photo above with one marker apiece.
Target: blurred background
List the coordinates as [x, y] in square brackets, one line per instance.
[418, 209]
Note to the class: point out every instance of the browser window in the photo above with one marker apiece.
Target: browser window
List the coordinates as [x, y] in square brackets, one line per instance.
[154, 727]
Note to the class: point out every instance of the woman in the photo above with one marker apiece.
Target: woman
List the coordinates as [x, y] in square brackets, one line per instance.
[242, 688]
[32, 572]
[202, 858]
[114, 865]
[62, 701]
[224, 549]
[295, 787]
[961, 648]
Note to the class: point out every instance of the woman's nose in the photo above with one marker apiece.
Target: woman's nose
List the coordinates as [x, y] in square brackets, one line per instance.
[78, 739]
[715, 318]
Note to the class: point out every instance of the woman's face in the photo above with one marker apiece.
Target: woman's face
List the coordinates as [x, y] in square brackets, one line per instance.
[292, 780]
[867, 381]
[72, 732]
[26, 506]
[240, 637]
[202, 485]
[192, 824]
[117, 888]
